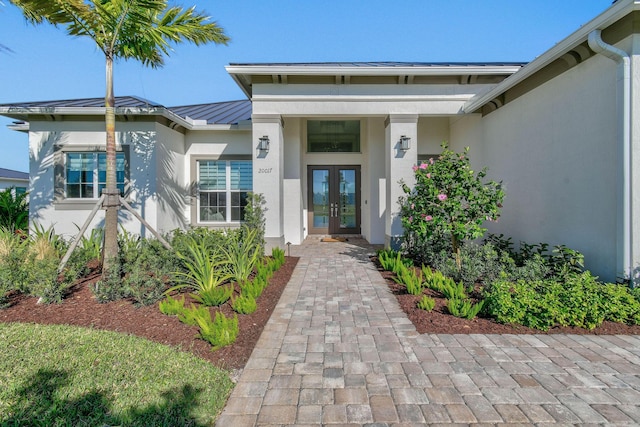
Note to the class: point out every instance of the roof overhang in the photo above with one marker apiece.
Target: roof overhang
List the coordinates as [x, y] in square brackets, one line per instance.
[25, 114]
[614, 13]
[245, 74]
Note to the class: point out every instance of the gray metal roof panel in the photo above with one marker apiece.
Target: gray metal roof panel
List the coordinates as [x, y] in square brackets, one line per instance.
[11, 174]
[121, 101]
[228, 112]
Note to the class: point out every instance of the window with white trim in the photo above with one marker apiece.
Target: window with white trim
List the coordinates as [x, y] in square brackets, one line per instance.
[86, 174]
[222, 189]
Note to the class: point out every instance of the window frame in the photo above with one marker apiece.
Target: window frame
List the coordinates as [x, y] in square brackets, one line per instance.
[195, 179]
[61, 201]
[329, 121]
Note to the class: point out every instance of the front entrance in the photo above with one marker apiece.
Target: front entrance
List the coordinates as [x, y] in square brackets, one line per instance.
[334, 199]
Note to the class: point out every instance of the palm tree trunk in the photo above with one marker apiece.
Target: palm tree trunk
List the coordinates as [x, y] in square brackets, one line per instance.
[112, 203]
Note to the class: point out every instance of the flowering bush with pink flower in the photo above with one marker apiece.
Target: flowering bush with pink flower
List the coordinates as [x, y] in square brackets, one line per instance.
[448, 204]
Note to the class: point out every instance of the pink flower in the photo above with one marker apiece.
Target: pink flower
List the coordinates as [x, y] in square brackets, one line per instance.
[428, 218]
[413, 206]
[415, 168]
[431, 160]
[429, 175]
[423, 165]
[410, 219]
[442, 197]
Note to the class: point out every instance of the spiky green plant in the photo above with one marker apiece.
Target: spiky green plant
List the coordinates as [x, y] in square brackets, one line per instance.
[464, 308]
[241, 253]
[171, 306]
[426, 303]
[244, 304]
[204, 269]
[215, 296]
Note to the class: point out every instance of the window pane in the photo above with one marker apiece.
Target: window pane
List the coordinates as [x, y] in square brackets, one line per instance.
[212, 206]
[338, 136]
[212, 175]
[241, 175]
[102, 172]
[79, 175]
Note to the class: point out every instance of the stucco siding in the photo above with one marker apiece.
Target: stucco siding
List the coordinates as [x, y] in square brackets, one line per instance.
[555, 150]
[44, 137]
[172, 183]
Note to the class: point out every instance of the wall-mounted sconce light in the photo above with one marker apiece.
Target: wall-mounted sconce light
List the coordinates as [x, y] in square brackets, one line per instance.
[405, 143]
[264, 143]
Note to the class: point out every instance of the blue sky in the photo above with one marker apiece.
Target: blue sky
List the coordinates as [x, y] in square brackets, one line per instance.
[46, 64]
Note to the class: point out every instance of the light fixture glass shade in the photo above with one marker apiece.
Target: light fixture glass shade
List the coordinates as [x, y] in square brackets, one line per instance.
[405, 143]
[264, 143]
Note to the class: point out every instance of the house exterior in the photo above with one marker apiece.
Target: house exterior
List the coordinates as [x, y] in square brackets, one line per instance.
[327, 144]
[17, 180]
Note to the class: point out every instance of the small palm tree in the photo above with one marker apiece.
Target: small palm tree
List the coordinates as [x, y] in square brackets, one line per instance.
[143, 30]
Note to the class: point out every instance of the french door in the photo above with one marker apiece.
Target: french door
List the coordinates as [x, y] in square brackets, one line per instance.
[334, 199]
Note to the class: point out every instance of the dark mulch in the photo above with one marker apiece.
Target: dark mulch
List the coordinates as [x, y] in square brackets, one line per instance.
[80, 308]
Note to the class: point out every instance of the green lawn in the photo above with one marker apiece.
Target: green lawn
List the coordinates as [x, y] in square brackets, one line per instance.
[70, 376]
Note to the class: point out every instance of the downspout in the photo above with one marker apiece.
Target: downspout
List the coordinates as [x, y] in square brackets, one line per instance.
[624, 61]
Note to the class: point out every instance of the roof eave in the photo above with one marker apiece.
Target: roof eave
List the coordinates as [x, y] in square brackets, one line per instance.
[616, 12]
[23, 113]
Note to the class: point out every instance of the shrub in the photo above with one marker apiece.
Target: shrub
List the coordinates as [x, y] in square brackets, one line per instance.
[579, 300]
[219, 333]
[171, 306]
[91, 246]
[449, 201]
[392, 260]
[254, 288]
[426, 303]
[464, 308]
[480, 263]
[412, 280]
[242, 253]
[204, 267]
[194, 315]
[244, 304]
[215, 296]
[14, 210]
[278, 255]
[254, 218]
[110, 286]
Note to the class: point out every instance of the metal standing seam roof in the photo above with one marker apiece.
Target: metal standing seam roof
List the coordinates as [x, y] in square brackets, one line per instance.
[228, 112]
[11, 174]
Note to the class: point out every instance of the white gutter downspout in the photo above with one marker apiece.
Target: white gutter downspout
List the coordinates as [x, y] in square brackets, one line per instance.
[622, 58]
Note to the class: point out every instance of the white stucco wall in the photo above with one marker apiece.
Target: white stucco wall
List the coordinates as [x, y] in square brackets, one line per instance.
[555, 150]
[173, 188]
[139, 136]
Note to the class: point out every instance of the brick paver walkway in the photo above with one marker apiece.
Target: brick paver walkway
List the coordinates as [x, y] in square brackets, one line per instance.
[339, 351]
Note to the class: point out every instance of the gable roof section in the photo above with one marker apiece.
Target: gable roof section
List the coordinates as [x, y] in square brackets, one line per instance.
[11, 174]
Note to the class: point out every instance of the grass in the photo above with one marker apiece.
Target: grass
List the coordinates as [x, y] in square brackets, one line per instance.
[60, 375]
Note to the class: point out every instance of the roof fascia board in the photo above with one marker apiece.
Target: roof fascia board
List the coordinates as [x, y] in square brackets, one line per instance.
[366, 71]
[616, 12]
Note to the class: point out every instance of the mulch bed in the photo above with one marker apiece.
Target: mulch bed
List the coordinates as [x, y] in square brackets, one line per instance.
[80, 308]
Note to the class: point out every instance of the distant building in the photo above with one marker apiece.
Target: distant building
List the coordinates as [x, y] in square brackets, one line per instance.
[18, 180]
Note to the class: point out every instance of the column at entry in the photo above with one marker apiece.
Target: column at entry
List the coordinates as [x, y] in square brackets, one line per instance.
[334, 199]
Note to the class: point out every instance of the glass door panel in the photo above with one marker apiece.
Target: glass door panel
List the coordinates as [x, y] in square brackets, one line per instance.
[347, 198]
[334, 194]
[320, 198]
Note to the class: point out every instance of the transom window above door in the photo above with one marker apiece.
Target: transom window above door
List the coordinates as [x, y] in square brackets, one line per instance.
[333, 136]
